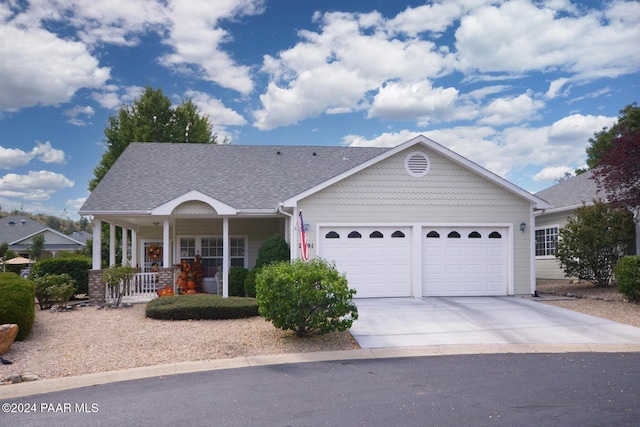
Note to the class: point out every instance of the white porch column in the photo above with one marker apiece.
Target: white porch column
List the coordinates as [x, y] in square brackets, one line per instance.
[134, 248]
[112, 244]
[165, 243]
[123, 242]
[97, 245]
[225, 257]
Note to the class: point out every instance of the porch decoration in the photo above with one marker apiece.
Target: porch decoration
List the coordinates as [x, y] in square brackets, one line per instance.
[154, 252]
[165, 291]
[189, 280]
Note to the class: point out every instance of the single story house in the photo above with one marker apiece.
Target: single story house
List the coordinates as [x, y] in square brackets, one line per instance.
[415, 220]
[564, 197]
[18, 232]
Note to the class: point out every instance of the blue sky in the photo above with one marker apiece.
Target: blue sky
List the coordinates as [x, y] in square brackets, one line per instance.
[516, 86]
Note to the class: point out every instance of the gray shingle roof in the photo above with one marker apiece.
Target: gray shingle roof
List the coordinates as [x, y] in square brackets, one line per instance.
[16, 227]
[148, 175]
[572, 192]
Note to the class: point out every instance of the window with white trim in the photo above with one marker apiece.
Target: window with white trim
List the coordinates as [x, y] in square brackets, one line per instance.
[211, 251]
[546, 240]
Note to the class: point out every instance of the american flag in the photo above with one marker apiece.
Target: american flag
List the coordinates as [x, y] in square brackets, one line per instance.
[303, 239]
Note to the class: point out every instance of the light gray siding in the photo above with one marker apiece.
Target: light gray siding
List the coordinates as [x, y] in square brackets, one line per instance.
[385, 193]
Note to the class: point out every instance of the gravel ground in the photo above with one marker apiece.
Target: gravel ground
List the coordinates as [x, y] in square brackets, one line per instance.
[586, 298]
[89, 340]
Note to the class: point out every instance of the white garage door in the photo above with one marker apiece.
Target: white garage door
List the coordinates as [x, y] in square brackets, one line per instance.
[376, 260]
[464, 261]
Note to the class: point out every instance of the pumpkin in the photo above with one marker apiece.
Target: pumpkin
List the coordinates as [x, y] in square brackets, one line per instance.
[191, 284]
[191, 291]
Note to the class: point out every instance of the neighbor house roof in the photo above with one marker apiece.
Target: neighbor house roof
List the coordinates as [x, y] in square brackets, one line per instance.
[17, 227]
[572, 192]
[245, 177]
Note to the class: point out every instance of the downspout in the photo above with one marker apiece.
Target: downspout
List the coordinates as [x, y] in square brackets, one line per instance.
[291, 229]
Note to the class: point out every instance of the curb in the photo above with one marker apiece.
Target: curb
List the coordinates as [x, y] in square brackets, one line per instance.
[59, 384]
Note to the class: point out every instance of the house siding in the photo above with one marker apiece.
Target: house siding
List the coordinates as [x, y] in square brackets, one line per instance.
[385, 193]
[548, 267]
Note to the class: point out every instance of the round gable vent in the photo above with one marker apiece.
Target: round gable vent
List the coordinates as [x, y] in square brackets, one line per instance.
[417, 164]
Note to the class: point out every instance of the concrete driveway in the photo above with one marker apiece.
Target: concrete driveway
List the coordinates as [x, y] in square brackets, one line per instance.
[411, 322]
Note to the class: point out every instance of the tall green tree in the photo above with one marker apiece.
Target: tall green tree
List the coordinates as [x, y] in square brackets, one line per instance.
[36, 247]
[602, 141]
[151, 118]
[593, 241]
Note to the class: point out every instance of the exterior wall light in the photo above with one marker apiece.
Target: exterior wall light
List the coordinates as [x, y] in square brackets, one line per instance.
[523, 226]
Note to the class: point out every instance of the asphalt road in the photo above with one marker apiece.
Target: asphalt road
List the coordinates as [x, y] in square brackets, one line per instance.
[571, 389]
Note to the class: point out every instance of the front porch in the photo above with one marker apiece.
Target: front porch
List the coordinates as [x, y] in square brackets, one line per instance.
[155, 246]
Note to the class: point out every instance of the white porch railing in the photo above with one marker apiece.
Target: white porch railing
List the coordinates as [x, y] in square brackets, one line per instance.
[143, 286]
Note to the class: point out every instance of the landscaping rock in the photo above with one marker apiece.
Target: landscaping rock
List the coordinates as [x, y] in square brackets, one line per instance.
[30, 377]
[8, 334]
[13, 379]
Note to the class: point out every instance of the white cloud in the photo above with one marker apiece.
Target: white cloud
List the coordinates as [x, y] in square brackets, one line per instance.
[75, 204]
[555, 86]
[36, 185]
[14, 157]
[25, 82]
[118, 22]
[336, 69]
[113, 97]
[218, 114]
[510, 110]
[384, 140]
[577, 129]
[75, 112]
[497, 39]
[414, 101]
[197, 39]
[553, 173]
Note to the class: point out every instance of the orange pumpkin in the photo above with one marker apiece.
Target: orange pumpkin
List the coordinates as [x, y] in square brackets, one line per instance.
[191, 291]
[191, 284]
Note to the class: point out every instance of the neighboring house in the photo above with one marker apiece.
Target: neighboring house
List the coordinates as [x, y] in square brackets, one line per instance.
[564, 197]
[410, 221]
[18, 231]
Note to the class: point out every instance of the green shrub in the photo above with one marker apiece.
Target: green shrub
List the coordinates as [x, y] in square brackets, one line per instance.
[201, 307]
[54, 289]
[236, 281]
[77, 267]
[118, 278]
[17, 303]
[250, 282]
[308, 297]
[627, 273]
[274, 249]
